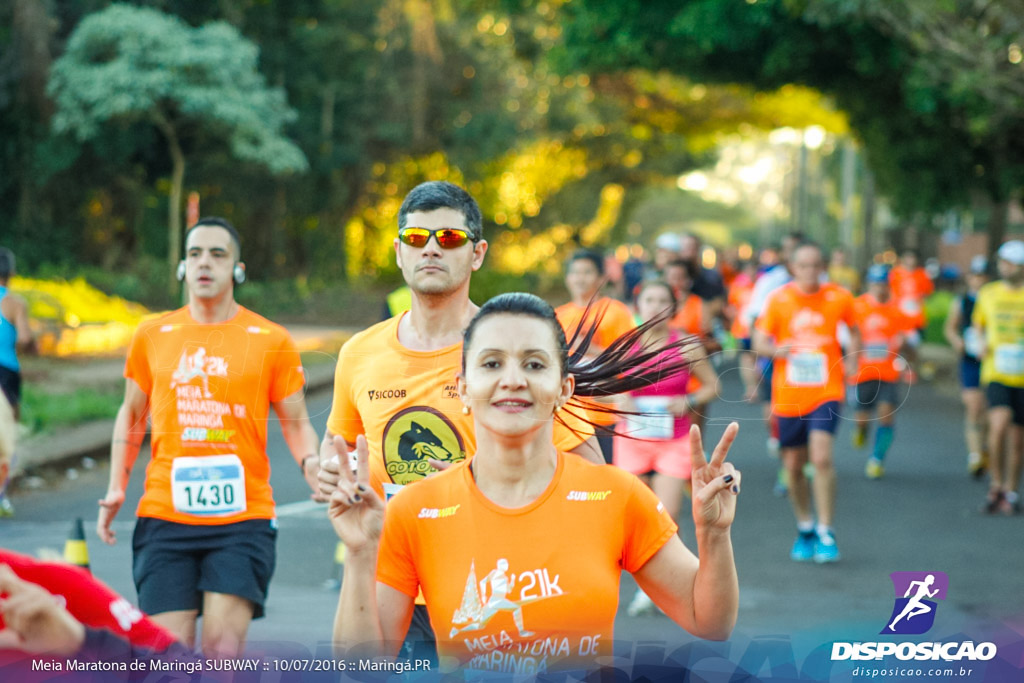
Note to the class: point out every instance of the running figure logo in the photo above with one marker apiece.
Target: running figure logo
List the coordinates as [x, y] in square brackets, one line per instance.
[914, 612]
[475, 611]
[198, 365]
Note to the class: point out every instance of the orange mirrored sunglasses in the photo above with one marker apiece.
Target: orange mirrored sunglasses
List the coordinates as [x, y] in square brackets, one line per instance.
[447, 238]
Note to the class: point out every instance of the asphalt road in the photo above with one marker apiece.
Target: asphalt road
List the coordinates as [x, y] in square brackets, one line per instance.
[923, 516]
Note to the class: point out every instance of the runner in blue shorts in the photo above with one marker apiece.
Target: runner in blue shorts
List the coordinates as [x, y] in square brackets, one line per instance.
[965, 341]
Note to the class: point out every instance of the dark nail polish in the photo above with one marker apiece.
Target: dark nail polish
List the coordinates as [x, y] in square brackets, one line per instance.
[727, 478]
[735, 489]
[357, 498]
[362, 489]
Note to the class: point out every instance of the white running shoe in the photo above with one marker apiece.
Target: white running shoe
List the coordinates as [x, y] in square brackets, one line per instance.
[641, 604]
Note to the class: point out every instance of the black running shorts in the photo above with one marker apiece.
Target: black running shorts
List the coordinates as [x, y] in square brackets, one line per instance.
[174, 564]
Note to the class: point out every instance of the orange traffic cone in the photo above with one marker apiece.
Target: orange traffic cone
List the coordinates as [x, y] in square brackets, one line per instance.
[76, 552]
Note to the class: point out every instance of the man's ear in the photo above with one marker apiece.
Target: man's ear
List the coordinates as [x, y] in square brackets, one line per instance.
[479, 251]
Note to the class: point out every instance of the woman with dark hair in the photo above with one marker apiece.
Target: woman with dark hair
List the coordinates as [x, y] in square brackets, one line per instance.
[519, 550]
[654, 438]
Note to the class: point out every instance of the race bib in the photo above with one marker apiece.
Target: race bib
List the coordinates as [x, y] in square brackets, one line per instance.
[212, 485]
[806, 369]
[876, 351]
[972, 342]
[1009, 359]
[655, 421]
[390, 490]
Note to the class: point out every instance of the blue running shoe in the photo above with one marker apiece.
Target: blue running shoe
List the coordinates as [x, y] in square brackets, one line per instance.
[781, 488]
[803, 547]
[825, 549]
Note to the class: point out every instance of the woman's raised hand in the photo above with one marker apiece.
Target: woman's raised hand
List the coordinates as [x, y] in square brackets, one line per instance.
[716, 483]
[355, 510]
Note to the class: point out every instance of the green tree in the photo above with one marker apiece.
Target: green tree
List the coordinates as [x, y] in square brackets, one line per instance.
[935, 134]
[126, 65]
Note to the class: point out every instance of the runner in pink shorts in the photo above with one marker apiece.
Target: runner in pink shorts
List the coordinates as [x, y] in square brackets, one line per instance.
[654, 444]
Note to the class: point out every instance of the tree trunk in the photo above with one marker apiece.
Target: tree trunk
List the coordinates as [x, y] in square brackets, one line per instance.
[425, 45]
[174, 208]
[868, 216]
[997, 227]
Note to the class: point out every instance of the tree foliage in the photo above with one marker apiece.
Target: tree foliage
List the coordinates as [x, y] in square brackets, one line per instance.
[930, 87]
[128, 64]
[384, 94]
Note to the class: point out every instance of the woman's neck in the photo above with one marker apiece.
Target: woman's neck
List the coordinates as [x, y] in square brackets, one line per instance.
[513, 473]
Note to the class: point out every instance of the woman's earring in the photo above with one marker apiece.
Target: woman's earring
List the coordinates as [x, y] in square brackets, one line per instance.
[465, 410]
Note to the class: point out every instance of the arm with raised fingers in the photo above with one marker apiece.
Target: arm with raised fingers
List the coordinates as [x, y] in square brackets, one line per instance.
[357, 515]
[701, 595]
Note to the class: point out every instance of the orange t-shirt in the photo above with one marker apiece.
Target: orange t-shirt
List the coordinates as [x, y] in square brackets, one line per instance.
[739, 295]
[616, 320]
[812, 374]
[882, 327]
[210, 387]
[690, 316]
[552, 567]
[909, 289]
[406, 404]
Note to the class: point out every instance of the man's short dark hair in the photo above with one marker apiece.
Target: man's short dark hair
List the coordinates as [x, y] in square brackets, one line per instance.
[6, 263]
[595, 257]
[440, 194]
[691, 271]
[218, 222]
[808, 243]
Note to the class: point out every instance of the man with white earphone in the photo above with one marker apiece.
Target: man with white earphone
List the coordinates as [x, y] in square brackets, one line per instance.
[206, 376]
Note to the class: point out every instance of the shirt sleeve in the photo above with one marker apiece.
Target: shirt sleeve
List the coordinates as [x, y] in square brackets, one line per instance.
[395, 564]
[758, 297]
[648, 526]
[849, 311]
[624, 322]
[927, 286]
[91, 601]
[288, 376]
[136, 365]
[344, 419]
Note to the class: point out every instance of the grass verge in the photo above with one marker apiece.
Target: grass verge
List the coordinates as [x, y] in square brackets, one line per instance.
[43, 412]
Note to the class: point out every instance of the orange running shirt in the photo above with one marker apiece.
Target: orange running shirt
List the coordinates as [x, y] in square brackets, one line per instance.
[812, 374]
[690, 316]
[909, 289]
[739, 294]
[616, 320]
[526, 589]
[210, 388]
[882, 327]
[406, 404]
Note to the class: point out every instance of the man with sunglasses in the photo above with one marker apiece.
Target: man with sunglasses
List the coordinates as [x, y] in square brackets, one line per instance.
[395, 382]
